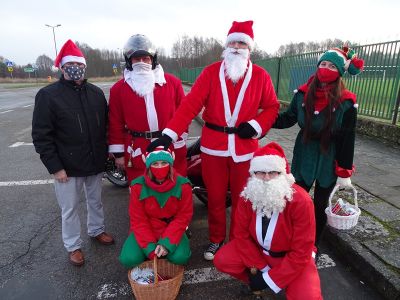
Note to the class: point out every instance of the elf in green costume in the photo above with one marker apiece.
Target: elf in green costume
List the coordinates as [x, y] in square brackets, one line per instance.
[326, 113]
[160, 210]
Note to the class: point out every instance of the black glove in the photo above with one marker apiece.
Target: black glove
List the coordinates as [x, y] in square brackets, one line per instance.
[164, 140]
[246, 131]
[257, 282]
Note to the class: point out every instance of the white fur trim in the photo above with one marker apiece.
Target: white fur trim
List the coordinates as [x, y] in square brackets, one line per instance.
[295, 91]
[256, 127]
[268, 280]
[240, 37]
[291, 180]
[268, 163]
[172, 134]
[355, 105]
[72, 58]
[265, 269]
[116, 148]
[316, 112]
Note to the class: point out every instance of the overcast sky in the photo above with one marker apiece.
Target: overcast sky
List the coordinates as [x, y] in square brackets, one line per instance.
[108, 24]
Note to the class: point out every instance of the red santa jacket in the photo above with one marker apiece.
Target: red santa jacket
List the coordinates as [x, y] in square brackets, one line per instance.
[252, 99]
[128, 110]
[292, 232]
[160, 218]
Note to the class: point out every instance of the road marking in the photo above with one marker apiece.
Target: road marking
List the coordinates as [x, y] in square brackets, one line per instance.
[29, 105]
[114, 290]
[6, 111]
[26, 182]
[194, 276]
[17, 144]
[325, 261]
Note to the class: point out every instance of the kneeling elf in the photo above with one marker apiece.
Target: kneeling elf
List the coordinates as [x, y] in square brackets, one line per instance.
[160, 210]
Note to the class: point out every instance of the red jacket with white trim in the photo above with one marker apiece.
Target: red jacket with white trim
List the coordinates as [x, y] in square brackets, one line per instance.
[292, 232]
[259, 104]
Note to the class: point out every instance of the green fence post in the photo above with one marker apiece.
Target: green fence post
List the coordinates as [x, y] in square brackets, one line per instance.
[396, 108]
[279, 75]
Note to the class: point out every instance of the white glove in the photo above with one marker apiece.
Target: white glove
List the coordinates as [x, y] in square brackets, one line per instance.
[343, 182]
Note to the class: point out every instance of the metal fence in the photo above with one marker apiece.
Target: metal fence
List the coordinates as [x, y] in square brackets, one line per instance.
[377, 88]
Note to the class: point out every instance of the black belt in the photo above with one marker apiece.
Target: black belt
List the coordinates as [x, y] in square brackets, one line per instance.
[167, 220]
[225, 129]
[145, 134]
[275, 254]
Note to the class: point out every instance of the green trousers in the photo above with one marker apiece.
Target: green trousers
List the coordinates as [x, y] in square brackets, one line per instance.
[132, 255]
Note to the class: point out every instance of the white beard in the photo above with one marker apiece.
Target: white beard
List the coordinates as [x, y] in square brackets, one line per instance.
[141, 79]
[270, 196]
[236, 61]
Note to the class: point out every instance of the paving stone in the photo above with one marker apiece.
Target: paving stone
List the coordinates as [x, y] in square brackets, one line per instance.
[386, 249]
[383, 211]
[395, 225]
[367, 228]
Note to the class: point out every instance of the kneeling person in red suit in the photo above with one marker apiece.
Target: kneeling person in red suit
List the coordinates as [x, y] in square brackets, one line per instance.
[160, 210]
[275, 231]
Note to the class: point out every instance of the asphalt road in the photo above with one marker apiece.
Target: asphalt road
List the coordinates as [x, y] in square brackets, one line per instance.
[34, 263]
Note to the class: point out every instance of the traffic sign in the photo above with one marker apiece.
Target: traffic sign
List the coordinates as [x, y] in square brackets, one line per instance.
[10, 69]
[9, 64]
[114, 66]
[29, 70]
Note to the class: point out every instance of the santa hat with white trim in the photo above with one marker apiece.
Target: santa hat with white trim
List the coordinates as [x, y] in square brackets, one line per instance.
[241, 32]
[69, 53]
[271, 158]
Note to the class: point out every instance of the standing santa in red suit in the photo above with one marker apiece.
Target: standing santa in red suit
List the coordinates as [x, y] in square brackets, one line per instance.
[140, 106]
[240, 105]
[274, 232]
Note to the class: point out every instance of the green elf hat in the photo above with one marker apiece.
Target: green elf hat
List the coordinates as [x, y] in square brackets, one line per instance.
[344, 59]
[157, 154]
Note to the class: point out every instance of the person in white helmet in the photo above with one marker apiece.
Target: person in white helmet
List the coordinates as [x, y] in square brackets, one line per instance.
[140, 105]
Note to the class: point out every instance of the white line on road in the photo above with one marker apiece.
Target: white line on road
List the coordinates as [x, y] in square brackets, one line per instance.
[17, 144]
[6, 111]
[29, 105]
[116, 290]
[26, 182]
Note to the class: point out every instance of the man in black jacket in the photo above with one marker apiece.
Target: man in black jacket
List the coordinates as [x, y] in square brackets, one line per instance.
[69, 133]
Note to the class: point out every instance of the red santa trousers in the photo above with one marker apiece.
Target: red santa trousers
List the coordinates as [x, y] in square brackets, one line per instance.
[219, 174]
[231, 260]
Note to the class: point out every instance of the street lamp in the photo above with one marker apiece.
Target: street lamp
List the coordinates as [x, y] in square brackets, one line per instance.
[54, 35]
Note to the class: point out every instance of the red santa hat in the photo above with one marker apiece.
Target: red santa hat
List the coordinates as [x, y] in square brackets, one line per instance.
[241, 32]
[69, 53]
[270, 158]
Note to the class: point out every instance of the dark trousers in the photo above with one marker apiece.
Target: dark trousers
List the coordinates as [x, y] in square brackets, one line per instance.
[321, 197]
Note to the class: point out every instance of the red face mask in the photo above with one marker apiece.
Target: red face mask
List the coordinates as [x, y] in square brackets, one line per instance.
[326, 75]
[160, 173]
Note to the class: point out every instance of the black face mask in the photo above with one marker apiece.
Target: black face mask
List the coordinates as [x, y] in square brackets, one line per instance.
[75, 72]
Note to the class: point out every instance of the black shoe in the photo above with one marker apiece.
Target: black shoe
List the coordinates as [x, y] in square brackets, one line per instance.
[211, 250]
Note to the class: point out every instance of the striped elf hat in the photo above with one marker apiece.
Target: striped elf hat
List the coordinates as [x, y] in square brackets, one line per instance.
[158, 154]
[344, 59]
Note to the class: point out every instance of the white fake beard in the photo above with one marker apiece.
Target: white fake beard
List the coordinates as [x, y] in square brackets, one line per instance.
[141, 79]
[270, 196]
[236, 61]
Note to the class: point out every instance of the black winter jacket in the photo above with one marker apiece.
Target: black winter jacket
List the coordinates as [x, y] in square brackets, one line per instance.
[69, 128]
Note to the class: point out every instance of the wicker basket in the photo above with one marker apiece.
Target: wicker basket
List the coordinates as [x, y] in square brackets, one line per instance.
[342, 222]
[160, 290]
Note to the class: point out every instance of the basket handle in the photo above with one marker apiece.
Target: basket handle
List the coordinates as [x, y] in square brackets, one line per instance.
[334, 191]
[155, 269]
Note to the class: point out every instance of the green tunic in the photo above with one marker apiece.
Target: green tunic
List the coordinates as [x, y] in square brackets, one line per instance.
[309, 162]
